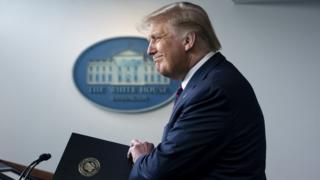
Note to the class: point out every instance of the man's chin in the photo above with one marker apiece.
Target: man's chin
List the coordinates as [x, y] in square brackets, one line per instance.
[168, 75]
[162, 72]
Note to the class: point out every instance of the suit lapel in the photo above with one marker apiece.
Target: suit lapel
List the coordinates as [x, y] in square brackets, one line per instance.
[194, 82]
[198, 78]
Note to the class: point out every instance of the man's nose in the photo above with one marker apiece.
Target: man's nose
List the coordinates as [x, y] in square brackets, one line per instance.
[151, 50]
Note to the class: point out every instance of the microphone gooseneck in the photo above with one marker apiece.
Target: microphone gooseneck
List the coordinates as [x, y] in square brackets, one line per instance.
[26, 172]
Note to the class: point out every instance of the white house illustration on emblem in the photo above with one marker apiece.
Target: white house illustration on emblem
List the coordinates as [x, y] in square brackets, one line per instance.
[125, 68]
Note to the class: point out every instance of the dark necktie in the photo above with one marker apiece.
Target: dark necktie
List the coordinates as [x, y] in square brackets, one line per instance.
[178, 93]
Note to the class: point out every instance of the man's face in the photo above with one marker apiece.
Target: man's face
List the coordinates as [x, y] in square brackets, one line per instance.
[167, 50]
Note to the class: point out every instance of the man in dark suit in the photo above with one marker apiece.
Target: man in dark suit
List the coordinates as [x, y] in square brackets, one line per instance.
[216, 130]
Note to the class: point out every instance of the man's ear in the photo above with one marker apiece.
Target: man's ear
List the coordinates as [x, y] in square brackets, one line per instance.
[189, 40]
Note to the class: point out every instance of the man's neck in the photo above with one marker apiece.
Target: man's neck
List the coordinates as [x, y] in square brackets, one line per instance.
[196, 67]
[194, 59]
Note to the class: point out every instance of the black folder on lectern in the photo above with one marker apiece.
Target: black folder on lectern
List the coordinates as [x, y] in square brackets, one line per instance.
[88, 158]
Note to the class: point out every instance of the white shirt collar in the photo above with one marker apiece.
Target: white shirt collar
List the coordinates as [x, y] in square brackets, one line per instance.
[195, 68]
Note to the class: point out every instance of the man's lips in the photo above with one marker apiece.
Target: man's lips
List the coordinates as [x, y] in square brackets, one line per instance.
[157, 58]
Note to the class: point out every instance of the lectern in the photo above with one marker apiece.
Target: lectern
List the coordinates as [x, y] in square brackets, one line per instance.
[10, 170]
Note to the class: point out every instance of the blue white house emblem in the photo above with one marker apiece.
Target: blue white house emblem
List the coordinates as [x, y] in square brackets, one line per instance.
[118, 75]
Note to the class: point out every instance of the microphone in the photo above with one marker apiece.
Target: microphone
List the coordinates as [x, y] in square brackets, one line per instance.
[43, 157]
[26, 172]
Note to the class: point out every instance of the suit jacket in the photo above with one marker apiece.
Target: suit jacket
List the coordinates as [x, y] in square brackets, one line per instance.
[216, 131]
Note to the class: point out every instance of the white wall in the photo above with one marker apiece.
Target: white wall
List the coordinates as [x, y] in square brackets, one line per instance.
[275, 46]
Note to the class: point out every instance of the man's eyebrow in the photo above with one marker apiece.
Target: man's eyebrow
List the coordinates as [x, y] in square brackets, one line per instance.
[156, 34]
[152, 36]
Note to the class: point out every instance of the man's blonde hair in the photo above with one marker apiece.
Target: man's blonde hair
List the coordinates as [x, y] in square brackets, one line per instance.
[186, 16]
